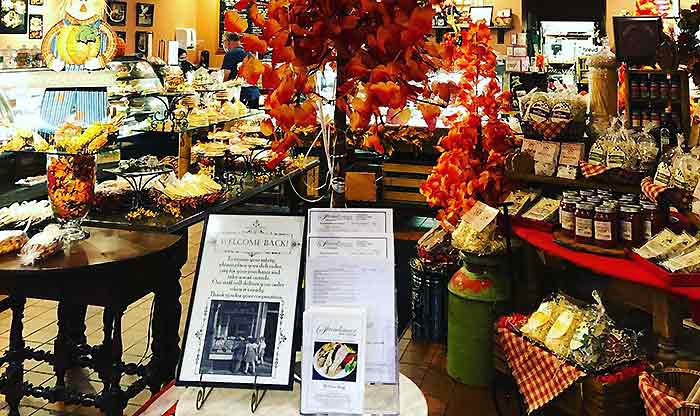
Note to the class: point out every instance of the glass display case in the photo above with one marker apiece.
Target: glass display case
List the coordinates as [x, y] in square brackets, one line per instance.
[136, 92]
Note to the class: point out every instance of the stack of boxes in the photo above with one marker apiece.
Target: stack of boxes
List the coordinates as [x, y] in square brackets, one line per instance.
[517, 59]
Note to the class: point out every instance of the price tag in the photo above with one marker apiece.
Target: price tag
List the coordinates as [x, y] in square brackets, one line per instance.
[530, 146]
[480, 216]
[571, 154]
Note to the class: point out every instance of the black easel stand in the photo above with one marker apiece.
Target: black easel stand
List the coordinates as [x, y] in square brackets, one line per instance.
[255, 399]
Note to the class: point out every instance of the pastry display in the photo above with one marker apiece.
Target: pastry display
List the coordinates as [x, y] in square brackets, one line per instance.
[143, 164]
[210, 149]
[71, 185]
[31, 181]
[12, 241]
[190, 186]
[43, 245]
[198, 118]
[19, 214]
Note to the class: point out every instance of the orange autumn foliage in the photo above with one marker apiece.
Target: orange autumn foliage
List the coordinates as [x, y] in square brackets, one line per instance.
[379, 49]
[252, 43]
[471, 166]
[251, 69]
[234, 22]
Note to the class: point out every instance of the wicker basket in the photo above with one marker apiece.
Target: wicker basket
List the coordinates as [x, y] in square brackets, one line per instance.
[573, 132]
[683, 380]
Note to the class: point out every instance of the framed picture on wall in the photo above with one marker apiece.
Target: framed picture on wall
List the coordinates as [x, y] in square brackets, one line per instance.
[36, 26]
[116, 13]
[121, 35]
[142, 43]
[481, 13]
[36, 2]
[144, 14]
[13, 17]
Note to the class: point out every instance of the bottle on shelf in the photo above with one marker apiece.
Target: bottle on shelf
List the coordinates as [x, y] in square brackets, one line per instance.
[667, 130]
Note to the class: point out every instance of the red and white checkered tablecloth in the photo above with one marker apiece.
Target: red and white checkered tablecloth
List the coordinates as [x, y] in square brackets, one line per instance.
[659, 399]
[591, 169]
[540, 375]
[163, 403]
[652, 190]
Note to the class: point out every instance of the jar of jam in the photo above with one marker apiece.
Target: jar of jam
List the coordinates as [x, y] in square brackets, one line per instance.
[636, 120]
[605, 226]
[654, 90]
[585, 211]
[675, 90]
[631, 225]
[652, 220]
[634, 89]
[664, 89]
[644, 89]
[570, 194]
[595, 200]
[586, 193]
[567, 211]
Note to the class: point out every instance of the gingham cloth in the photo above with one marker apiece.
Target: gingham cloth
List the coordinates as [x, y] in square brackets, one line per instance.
[540, 375]
[549, 128]
[591, 169]
[652, 190]
[659, 399]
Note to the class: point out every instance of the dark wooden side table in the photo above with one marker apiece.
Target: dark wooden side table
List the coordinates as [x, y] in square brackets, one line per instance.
[112, 269]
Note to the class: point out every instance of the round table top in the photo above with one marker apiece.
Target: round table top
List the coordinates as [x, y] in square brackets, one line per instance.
[282, 403]
[104, 247]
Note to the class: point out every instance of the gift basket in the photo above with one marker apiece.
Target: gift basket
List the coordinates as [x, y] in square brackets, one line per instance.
[621, 156]
[558, 116]
[584, 335]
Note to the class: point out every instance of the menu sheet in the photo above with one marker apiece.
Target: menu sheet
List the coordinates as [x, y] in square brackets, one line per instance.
[350, 262]
[333, 360]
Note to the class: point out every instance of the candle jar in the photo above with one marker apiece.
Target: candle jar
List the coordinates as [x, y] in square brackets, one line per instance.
[631, 225]
[585, 212]
[605, 226]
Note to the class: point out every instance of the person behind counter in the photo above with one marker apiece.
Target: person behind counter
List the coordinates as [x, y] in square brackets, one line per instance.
[235, 54]
[185, 65]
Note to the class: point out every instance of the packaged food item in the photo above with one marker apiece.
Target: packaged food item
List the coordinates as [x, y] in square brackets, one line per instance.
[43, 245]
[544, 210]
[12, 241]
[559, 337]
[477, 232]
[658, 245]
[587, 344]
[647, 148]
[436, 246]
[540, 322]
[520, 198]
[603, 87]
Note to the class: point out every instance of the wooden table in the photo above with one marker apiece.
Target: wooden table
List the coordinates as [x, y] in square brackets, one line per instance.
[112, 269]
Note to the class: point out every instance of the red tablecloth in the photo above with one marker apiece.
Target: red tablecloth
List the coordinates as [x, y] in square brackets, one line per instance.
[619, 268]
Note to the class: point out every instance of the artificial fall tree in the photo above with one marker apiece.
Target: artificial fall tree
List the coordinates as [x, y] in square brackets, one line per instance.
[471, 166]
[381, 55]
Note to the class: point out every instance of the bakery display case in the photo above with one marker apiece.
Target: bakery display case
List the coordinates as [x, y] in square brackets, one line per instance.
[137, 93]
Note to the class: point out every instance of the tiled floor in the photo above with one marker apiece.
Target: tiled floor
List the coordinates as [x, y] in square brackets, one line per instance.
[423, 363]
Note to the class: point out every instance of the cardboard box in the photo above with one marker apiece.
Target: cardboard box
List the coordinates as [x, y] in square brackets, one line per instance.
[519, 51]
[513, 64]
[522, 39]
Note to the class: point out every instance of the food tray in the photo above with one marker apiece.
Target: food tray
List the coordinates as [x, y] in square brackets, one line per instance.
[674, 279]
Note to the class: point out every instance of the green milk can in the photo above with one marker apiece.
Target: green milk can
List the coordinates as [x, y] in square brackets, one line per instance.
[477, 293]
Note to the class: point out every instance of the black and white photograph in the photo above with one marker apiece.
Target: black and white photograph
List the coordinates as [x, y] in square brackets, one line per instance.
[144, 14]
[116, 13]
[240, 338]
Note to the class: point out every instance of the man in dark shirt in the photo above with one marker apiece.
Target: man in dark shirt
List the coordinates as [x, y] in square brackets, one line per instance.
[185, 65]
[235, 54]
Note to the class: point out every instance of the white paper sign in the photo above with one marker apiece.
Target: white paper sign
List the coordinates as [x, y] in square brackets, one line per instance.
[350, 262]
[241, 320]
[479, 216]
[350, 221]
[333, 361]
[571, 153]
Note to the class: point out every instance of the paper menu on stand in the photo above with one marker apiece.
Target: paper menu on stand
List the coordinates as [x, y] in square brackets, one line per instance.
[333, 363]
[350, 262]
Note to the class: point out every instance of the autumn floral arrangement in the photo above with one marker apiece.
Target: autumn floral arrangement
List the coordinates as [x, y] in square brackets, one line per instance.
[380, 54]
[471, 165]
